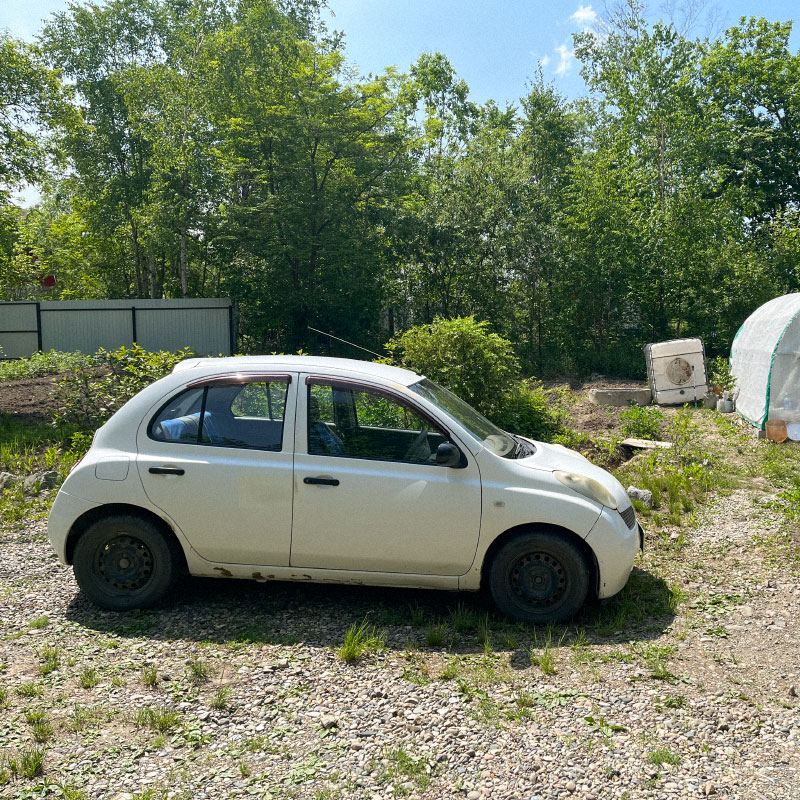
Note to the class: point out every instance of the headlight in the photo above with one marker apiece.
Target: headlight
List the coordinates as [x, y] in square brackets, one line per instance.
[588, 487]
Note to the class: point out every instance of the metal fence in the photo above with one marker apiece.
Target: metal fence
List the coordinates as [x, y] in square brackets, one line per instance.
[204, 325]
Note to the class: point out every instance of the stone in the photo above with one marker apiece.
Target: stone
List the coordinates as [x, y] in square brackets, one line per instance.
[329, 721]
[571, 786]
[709, 788]
[7, 479]
[621, 396]
[644, 496]
[37, 481]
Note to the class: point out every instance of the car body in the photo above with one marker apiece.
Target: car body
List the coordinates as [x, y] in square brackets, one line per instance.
[335, 470]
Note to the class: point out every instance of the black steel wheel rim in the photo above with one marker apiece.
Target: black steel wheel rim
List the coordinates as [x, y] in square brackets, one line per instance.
[125, 564]
[538, 580]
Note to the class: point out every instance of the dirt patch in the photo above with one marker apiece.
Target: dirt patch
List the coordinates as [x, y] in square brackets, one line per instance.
[28, 399]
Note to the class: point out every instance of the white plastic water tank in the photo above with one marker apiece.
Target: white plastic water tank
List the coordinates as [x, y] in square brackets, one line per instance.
[676, 371]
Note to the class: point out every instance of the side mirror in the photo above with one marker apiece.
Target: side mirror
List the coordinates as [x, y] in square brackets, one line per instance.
[448, 455]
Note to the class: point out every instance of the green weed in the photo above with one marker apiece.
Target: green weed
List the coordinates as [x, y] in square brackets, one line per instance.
[361, 638]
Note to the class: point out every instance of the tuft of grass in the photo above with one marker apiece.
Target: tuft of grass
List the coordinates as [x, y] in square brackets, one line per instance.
[28, 764]
[39, 622]
[3, 697]
[435, 635]
[51, 659]
[464, 619]
[403, 767]
[663, 755]
[417, 615]
[199, 671]
[149, 676]
[361, 638]
[88, 678]
[159, 719]
[29, 690]
[545, 656]
[221, 699]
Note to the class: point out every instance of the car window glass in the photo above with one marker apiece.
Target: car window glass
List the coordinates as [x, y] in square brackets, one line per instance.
[248, 416]
[365, 423]
[267, 400]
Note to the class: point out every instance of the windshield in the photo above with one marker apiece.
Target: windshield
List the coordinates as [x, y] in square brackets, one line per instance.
[493, 438]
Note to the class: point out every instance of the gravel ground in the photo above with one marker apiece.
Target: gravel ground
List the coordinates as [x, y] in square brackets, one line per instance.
[237, 690]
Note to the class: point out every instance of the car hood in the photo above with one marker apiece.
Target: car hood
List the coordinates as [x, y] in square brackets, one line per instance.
[555, 456]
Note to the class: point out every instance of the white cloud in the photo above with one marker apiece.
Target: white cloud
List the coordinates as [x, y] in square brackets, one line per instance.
[585, 16]
[565, 59]
[544, 61]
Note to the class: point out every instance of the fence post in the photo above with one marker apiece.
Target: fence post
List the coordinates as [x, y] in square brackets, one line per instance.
[39, 326]
[133, 324]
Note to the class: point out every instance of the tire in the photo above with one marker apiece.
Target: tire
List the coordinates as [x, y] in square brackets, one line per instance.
[539, 577]
[125, 562]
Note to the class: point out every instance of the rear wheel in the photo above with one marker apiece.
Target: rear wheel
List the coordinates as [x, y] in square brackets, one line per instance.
[539, 577]
[125, 562]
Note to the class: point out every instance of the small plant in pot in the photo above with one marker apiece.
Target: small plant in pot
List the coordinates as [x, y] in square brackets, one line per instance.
[722, 380]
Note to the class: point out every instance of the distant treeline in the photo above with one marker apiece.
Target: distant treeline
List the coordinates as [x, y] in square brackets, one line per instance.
[225, 147]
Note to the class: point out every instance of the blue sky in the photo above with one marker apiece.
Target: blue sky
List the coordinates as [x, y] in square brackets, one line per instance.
[495, 45]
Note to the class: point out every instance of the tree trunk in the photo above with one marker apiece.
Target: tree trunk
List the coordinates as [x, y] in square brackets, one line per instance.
[184, 278]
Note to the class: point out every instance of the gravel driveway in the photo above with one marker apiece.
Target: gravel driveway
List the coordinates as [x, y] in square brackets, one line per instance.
[237, 689]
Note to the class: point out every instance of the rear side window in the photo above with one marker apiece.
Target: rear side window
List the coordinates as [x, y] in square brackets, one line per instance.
[243, 415]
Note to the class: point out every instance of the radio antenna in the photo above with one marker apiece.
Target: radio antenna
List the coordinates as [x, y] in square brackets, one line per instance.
[338, 339]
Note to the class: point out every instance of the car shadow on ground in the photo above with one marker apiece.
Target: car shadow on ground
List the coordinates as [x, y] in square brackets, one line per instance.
[320, 615]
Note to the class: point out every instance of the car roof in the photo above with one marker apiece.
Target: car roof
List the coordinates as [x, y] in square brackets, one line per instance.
[315, 364]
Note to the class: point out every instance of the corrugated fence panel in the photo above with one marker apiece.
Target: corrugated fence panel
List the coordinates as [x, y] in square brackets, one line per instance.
[205, 331]
[86, 330]
[202, 324]
[18, 330]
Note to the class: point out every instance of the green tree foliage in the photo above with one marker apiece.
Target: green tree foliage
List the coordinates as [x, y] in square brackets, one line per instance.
[216, 147]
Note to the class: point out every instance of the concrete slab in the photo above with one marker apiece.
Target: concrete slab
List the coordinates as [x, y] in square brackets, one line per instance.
[621, 396]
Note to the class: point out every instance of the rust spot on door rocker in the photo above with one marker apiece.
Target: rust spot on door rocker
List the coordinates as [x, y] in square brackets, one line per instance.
[225, 573]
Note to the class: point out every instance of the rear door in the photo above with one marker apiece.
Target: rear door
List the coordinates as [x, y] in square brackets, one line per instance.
[217, 459]
[368, 493]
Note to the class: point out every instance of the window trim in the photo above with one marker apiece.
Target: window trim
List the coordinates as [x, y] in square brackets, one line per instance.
[229, 379]
[348, 384]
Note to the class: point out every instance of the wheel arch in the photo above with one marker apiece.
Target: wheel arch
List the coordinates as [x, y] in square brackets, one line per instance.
[117, 509]
[588, 554]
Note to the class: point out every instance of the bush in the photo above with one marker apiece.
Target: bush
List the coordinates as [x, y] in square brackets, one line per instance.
[719, 374]
[101, 384]
[527, 409]
[642, 422]
[463, 356]
[40, 364]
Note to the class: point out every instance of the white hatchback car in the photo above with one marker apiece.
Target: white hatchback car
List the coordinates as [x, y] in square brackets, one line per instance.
[325, 469]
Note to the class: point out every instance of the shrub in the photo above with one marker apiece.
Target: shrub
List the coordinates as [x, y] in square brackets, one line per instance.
[719, 374]
[40, 364]
[101, 384]
[642, 422]
[527, 409]
[462, 355]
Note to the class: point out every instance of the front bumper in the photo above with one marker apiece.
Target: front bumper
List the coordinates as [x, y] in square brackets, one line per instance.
[615, 546]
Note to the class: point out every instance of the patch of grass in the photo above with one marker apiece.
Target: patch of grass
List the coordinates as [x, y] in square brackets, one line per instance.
[417, 615]
[663, 755]
[404, 767]
[40, 364]
[451, 670]
[149, 676]
[435, 635]
[39, 622]
[544, 655]
[29, 763]
[221, 698]
[464, 619]
[51, 659]
[159, 719]
[199, 672]
[655, 659]
[30, 689]
[361, 639]
[88, 678]
[642, 422]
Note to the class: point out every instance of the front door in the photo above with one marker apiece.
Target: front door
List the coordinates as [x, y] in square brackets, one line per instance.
[369, 495]
[217, 459]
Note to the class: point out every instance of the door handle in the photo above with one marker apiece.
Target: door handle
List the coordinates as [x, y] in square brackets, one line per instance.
[166, 471]
[322, 481]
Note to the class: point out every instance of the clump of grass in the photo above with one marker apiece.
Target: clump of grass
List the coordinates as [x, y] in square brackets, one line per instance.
[417, 615]
[51, 659]
[39, 622]
[545, 656]
[642, 422]
[149, 676]
[361, 638]
[663, 755]
[28, 764]
[50, 363]
[160, 719]
[435, 635]
[3, 697]
[464, 619]
[199, 672]
[403, 766]
[29, 690]
[88, 678]
[221, 699]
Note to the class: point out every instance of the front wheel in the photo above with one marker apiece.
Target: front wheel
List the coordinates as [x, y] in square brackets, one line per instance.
[124, 562]
[539, 577]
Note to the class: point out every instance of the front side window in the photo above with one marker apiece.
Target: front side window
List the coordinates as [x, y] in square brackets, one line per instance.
[244, 415]
[357, 422]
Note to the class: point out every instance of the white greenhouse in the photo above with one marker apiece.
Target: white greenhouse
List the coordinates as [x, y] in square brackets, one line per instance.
[765, 360]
